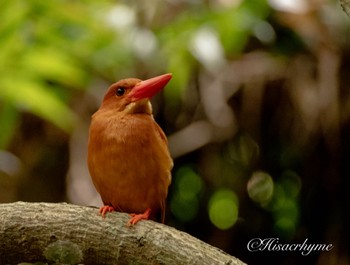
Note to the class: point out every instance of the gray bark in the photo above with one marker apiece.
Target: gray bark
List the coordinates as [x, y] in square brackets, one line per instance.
[70, 234]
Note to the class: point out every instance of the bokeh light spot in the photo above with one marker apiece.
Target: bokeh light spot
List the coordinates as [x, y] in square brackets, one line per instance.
[189, 183]
[260, 187]
[285, 227]
[223, 208]
[188, 186]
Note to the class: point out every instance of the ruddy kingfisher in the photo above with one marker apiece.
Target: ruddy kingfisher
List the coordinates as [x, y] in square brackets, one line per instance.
[128, 155]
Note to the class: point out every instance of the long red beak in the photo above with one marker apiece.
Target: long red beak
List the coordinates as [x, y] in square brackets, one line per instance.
[148, 88]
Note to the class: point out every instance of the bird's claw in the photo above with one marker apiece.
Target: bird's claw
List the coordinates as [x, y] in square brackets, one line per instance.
[135, 218]
[105, 209]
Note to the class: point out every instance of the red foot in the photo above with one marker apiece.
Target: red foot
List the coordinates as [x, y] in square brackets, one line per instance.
[137, 217]
[104, 209]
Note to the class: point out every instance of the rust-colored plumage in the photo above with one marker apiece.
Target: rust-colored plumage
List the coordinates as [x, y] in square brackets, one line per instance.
[128, 156]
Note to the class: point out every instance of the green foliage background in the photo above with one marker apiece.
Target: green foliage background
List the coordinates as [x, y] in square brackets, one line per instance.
[257, 112]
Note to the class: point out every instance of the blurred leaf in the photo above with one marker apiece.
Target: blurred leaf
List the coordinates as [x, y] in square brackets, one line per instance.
[287, 218]
[9, 120]
[235, 25]
[233, 28]
[12, 14]
[259, 8]
[35, 97]
[54, 65]
[175, 39]
[285, 204]
[180, 66]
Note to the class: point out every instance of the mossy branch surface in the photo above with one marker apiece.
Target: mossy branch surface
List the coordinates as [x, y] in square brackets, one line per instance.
[71, 234]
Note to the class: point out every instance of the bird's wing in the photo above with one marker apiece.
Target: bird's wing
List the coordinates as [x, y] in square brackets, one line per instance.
[165, 140]
[169, 165]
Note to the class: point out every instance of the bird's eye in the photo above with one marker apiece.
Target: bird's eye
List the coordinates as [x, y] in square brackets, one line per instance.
[120, 91]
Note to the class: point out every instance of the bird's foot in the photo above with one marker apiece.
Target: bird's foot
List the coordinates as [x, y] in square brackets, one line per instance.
[105, 209]
[135, 218]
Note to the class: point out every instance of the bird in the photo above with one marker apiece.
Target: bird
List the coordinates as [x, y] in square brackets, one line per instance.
[128, 155]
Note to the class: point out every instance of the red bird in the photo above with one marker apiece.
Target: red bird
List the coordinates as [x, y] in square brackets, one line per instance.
[128, 156]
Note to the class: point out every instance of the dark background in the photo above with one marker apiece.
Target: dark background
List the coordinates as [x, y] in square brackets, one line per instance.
[257, 112]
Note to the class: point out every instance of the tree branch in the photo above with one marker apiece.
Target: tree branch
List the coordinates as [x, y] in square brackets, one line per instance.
[71, 234]
[346, 6]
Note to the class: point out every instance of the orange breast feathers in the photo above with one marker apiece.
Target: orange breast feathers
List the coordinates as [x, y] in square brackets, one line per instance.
[128, 156]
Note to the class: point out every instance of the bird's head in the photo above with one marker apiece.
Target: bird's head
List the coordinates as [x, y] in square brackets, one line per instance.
[132, 95]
